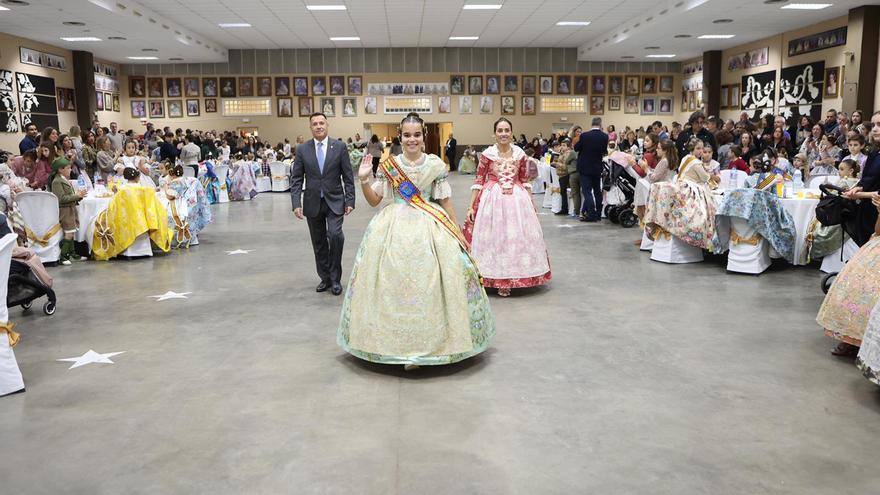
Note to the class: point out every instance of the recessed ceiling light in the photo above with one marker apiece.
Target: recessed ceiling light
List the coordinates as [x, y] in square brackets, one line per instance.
[149, 50]
[73, 23]
[81, 38]
[3, 8]
[669, 55]
[806, 6]
[716, 36]
[722, 21]
[627, 56]
[652, 48]
[115, 38]
[143, 58]
[682, 36]
[234, 25]
[175, 58]
[573, 23]
[345, 38]
[326, 7]
[19, 3]
[464, 38]
[477, 6]
[770, 2]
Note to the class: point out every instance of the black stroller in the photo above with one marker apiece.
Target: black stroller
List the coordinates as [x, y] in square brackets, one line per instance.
[613, 174]
[24, 287]
[834, 209]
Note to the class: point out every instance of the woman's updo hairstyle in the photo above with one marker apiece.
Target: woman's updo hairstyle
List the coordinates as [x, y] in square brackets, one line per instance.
[177, 171]
[412, 118]
[130, 173]
[502, 119]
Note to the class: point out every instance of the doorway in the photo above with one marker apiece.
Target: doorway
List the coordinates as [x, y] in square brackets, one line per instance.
[244, 131]
[435, 138]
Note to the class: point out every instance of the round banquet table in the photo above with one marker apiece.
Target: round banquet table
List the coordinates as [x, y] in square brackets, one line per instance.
[88, 210]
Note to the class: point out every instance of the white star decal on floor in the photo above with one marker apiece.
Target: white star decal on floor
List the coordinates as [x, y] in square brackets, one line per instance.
[171, 295]
[565, 226]
[91, 357]
[238, 251]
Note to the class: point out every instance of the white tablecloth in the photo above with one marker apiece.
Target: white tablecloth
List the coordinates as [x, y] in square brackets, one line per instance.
[88, 210]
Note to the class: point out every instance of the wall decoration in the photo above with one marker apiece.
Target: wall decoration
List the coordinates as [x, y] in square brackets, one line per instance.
[349, 107]
[793, 114]
[282, 86]
[563, 85]
[227, 87]
[649, 85]
[209, 86]
[665, 106]
[692, 101]
[597, 86]
[508, 105]
[564, 104]
[758, 93]
[816, 42]
[546, 85]
[725, 97]
[42, 59]
[833, 81]
[264, 86]
[285, 106]
[456, 84]
[173, 88]
[800, 84]
[528, 105]
[116, 106]
[157, 109]
[412, 88]
[631, 104]
[7, 80]
[735, 90]
[749, 59]
[305, 106]
[175, 109]
[371, 107]
[406, 104]
[355, 85]
[301, 86]
[210, 105]
[511, 84]
[155, 88]
[597, 105]
[692, 67]
[649, 106]
[29, 83]
[33, 103]
[106, 70]
[684, 99]
[337, 85]
[666, 84]
[9, 122]
[580, 85]
[138, 109]
[7, 102]
[191, 87]
[529, 83]
[633, 85]
[99, 101]
[694, 83]
[444, 104]
[487, 105]
[41, 121]
[493, 85]
[192, 108]
[475, 85]
[245, 86]
[108, 102]
[65, 98]
[614, 103]
[137, 86]
[465, 105]
[615, 85]
[104, 83]
[319, 85]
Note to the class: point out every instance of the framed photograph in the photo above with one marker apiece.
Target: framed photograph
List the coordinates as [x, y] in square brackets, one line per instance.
[116, 102]
[370, 105]
[649, 106]
[137, 87]
[227, 87]
[285, 106]
[833, 81]
[337, 85]
[355, 85]
[444, 104]
[665, 106]
[349, 107]
[319, 85]
[528, 105]
[563, 85]
[210, 105]
[191, 87]
[598, 86]
[282, 86]
[108, 102]
[699, 99]
[511, 84]
[493, 85]
[631, 104]
[175, 109]
[632, 85]
[735, 101]
[138, 109]
[666, 84]
[305, 106]
[546, 87]
[64, 99]
[245, 87]
[99, 101]
[192, 108]
[300, 86]
[155, 88]
[173, 87]
[615, 85]
[475, 85]
[649, 85]
[465, 105]
[456, 84]
[818, 41]
[487, 105]
[264, 86]
[209, 87]
[725, 97]
[157, 109]
[581, 85]
[508, 105]
[613, 103]
[684, 100]
[597, 105]
[328, 106]
[692, 101]
[529, 83]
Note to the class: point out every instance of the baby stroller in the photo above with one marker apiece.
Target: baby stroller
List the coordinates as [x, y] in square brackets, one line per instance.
[24, 287]
[834, 209]
[615, 175]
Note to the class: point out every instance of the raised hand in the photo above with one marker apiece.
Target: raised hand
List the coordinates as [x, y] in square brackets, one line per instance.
[366, 168]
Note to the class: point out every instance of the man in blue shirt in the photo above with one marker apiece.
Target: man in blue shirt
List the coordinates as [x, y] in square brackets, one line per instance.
[29, 142]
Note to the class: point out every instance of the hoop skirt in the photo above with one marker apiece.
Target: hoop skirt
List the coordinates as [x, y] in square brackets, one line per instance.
[414, 296]
[192, 209]
[847, 306]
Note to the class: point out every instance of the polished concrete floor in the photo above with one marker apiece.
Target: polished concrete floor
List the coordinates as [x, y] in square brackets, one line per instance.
[623, 376]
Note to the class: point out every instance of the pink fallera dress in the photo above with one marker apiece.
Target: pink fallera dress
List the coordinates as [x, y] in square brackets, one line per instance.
[506, 238]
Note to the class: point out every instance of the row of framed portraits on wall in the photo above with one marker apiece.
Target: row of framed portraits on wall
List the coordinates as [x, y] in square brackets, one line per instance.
[560, 85]
[243, 86]
[106, 102]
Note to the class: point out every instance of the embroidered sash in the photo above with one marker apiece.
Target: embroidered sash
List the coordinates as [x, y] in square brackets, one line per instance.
[767, 182]
[181, 227]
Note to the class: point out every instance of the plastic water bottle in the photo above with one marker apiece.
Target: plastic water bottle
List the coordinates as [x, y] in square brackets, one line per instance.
[798, 181]
[81, 183]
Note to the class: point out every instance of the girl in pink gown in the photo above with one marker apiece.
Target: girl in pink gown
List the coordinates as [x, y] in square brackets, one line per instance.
[502, 225]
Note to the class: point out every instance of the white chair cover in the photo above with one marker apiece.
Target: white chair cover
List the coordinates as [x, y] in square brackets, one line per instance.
[140, 247]
[823, 179]
[744, 257]
[833, 264]
[39, 210]
[647, 243]
[538, 183]
[552, 197]
[671, 249]
[727, 182]
[10, 375]
[264, 184]
[222, 172]
[280, 177]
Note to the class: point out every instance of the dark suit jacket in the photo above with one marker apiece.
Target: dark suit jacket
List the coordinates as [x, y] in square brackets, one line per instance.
[592, 146]
[451, 145]
[336, 183]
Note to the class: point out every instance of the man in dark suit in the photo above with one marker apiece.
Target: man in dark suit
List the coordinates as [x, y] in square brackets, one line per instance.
[592, 146]
[329, 195]
[451, 144]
